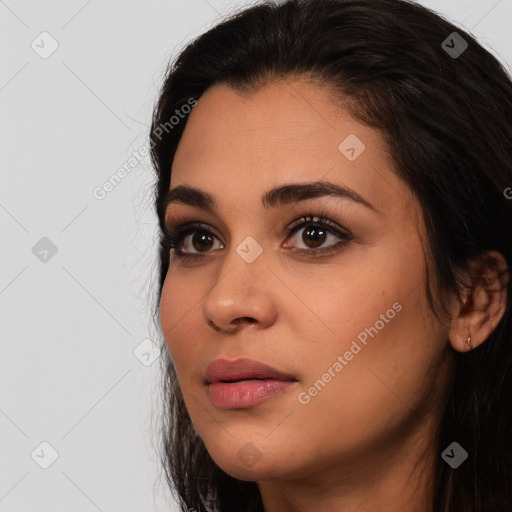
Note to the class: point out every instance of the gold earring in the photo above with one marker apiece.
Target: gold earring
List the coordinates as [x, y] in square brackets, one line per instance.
[467, 342]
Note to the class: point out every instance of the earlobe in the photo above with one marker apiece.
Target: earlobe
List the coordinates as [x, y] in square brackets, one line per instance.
[467, 341]
[485, 303]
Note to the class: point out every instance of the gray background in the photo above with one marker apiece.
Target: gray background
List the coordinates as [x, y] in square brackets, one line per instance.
[76, 350]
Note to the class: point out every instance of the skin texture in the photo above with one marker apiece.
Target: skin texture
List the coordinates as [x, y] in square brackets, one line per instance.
[366, 441]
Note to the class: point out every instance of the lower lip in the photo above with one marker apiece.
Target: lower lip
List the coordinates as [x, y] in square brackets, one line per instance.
[245, 393]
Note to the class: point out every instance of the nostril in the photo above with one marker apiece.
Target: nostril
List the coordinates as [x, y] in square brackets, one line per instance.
[213, 325]
[247, 319]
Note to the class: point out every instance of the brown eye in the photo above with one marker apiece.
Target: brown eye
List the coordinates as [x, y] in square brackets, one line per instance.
[189, 240]
[314, 236]
[316, 231]
[202, 241]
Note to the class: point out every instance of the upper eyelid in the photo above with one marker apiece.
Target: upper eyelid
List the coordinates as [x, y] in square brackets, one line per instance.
[324, 204]
[323, 220]
[184, 219]
[303, 219]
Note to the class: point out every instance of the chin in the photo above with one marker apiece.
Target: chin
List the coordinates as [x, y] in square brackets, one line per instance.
[254, 462]
[260, 471]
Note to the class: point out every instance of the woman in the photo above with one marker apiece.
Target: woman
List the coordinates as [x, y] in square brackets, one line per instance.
[334, 289]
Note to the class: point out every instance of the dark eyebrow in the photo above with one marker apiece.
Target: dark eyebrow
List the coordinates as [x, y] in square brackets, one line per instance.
[284, 194]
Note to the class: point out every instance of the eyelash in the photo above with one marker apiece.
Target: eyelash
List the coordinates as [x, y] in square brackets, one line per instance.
[172, 239]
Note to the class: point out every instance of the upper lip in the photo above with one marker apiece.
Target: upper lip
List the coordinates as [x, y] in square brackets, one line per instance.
[241, 369]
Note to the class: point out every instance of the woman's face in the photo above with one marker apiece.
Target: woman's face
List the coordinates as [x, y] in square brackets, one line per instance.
[346, 323]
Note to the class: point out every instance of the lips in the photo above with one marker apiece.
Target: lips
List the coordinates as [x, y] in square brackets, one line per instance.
[243, 383]
[222, 370]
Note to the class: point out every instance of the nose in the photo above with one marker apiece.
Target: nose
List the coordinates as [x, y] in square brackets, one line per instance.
[241, 297]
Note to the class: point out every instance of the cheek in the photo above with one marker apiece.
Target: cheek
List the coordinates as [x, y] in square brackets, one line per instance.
[379, 322]
[390, 345]
[344, 307]
[178, 318]
[169, 313]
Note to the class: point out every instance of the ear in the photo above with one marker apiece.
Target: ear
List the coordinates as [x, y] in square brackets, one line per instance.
[485, 302]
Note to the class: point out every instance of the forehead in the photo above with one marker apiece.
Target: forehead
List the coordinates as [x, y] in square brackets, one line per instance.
[284, 132]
